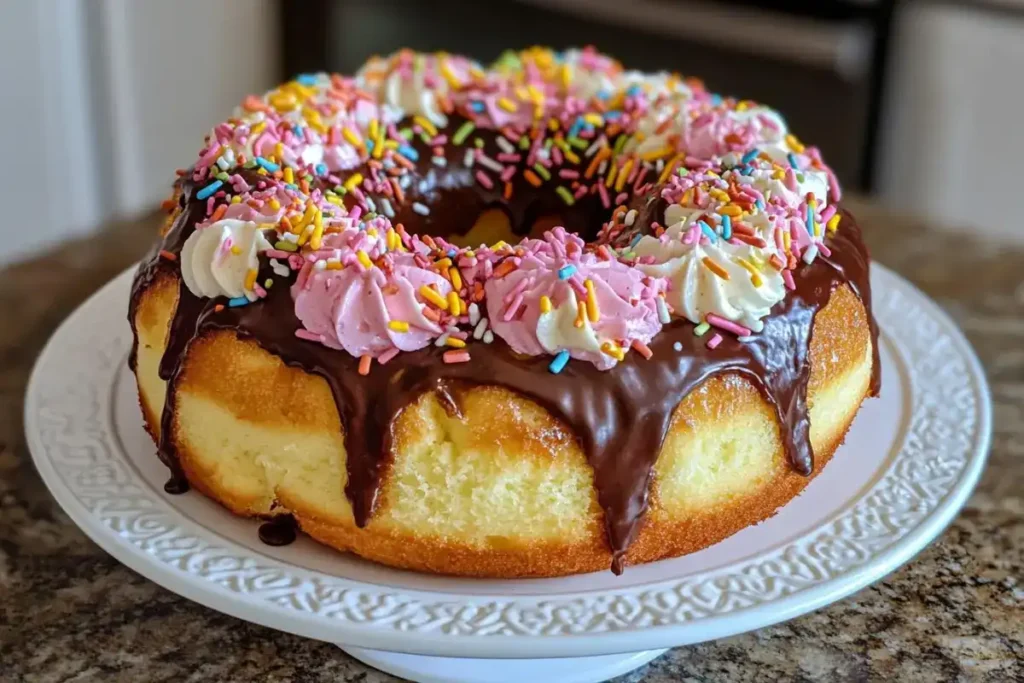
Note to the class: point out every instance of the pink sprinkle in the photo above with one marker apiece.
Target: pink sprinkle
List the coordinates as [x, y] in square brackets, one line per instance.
[510, 158]
[303, 333]
[727, 325]
[568, 173]
[825, 251]
[621, 198]
[507, 174]
[513, 308]
[484, 180]
[605, 200]
[277, 253]
[787, 278]
[388, 355]
[460, 356]
[715, 341]
[827, 214]
[581, 191]
[642, 349]
[833, 185]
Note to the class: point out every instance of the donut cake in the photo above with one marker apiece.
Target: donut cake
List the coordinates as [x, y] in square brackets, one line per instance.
[539, 318]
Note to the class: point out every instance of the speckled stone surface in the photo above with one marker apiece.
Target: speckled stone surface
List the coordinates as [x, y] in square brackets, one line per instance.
[956, 612]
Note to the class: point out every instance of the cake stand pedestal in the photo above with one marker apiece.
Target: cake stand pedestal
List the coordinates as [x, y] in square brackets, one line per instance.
[423, 669]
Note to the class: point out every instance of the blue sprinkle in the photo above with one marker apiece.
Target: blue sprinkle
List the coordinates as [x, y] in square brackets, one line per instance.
[452, 253]
[297, 129]
[209, 189]
[270, 166]
[759, 204]
[306, 79]
[238, 301]
[726, 227]
[321, 169]
[706, 229]
[612, 115]
[369, 145]
[291, 186]
[478, 107]
[408, 152]
[636, 241]
[604, 95]
[576, 125]
[749, 156]
[633, 90]
[747, 170]
[566, 272]
[558, 364]
[792, 160]
[716, 100]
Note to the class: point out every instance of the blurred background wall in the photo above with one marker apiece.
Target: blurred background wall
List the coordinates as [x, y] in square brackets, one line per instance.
[915, 103]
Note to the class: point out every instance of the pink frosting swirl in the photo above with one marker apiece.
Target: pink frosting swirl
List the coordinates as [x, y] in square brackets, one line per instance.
[560, 268]
[352, 308]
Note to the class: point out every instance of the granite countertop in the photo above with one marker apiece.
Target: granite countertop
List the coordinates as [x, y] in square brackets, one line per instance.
[68, 611]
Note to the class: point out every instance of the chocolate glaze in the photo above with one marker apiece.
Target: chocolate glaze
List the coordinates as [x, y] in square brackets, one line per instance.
[279, 531]
[620, 416]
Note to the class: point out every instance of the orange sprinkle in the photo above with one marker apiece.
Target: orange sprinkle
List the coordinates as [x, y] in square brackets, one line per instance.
[503, 269]
[507, 194]
[364, 364]
[596, 161]
[164, 254]
[715, 268]
[218, 308]
[532, 178]
[581, 313]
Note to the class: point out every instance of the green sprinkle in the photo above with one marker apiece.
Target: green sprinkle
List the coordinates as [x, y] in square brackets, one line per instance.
[268, 283]
[340, 190]
[406, 133]
[285, 245]
[425, 138]
[620, 143]
[223, 176]
[701, 329]
[565, 195]
[542, 172]
[479, 143]
[578, 143]
[524, 142]
[463, 132]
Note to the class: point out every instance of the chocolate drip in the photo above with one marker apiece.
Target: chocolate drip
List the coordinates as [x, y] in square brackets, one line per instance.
[279, 531]
[176, 485]
[621, 416]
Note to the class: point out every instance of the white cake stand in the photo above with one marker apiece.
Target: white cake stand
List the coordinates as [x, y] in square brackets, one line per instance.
[909, 463]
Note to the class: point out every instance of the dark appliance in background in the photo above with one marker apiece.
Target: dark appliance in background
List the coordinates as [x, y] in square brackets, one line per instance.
[820, 62]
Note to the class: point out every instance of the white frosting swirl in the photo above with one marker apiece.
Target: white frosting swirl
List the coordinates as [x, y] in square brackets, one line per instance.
[216, 260]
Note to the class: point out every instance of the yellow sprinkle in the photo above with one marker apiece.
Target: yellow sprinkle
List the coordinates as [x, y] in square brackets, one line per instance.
[307, 217]
[453, 303]
[566, 75]
[283, 101]
[289, 175]
[742, 106]
[553, 124]
[687, 197]
[279, 151]
[594, 119]
[318, 230]
[258, 128]
[833, 223]
[506, 104]
[755, 275]
[535, 95]
[545, 304]
[364, 258]
[614, 350]
[669, 167]
[378, 144]
[425, 124]
[592, 311]
[656, 154]
[455, 277]
[731, 210]
[372, 130]
[442, 264]
[353, 181]
[572, 156]
[455, 343]
[335, 199]
[433, 297]
[500, 244]
[334, 265]
[718, 194]
[398, 325]
[624, 174]
[236, 250]
[236, 199]
[274, 204]
[794, 144]
[446, 72]
[786, 239]
[351, 137]
[611, 174]
[250, 278]
[581, 314]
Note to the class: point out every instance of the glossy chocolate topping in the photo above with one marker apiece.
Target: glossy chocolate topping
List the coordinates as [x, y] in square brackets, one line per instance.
[620, 416]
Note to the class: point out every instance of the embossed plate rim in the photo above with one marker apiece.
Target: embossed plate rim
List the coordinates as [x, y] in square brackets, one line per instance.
[444, 624]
